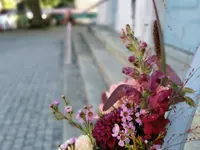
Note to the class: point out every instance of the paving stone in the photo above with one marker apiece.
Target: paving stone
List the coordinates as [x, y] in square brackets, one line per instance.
[30, 69]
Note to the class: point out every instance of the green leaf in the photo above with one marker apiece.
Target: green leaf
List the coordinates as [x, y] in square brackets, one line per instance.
[143, 104]
[182, 93]
[189, 101]
[174, 86]
[130, 47]
[145, 94]
[188, 90]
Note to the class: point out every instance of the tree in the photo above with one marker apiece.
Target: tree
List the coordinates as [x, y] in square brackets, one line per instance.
[55, 3]
[35, 8]
[8, 4]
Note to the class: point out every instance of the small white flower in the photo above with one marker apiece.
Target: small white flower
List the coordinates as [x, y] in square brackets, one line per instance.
[83, 143]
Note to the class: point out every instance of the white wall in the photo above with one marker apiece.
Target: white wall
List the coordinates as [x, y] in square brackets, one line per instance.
[82, 5]
[103, 10]
[124, 14]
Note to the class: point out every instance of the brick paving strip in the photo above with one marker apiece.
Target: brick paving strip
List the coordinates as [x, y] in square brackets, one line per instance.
[31, 76]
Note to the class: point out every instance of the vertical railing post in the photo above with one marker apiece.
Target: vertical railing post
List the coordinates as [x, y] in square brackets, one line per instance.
[68, 54]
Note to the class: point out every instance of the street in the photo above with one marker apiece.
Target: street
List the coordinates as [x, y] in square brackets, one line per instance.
[31, 75]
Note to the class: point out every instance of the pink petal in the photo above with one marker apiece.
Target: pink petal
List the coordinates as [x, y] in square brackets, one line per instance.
[121, 143]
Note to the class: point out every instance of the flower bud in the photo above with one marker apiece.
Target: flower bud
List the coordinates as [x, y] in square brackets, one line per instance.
[56, 102]
[50, 105]
[129, 71]
[143, 45]
[68, 109]
[131, 58]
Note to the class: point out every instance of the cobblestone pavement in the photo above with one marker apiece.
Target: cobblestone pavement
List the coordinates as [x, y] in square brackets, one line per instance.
[30, 78]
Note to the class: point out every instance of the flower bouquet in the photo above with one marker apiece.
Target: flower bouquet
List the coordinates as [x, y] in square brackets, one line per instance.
[133, 114]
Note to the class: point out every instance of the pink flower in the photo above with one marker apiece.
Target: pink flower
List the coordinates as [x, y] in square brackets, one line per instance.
[137, 114]
[139, 121]
[122, 139]
[80, 116]
[126, 114]
[90, 115]
[87, 108]
[63, 146]
[68, 109]
[56, 102]
[50, 105]
[71, 141]
[156, 147]
[115, 130]
[129, 129]
[161, 88]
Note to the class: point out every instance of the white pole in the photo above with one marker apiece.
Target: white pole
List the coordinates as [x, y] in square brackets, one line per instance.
[68, 55]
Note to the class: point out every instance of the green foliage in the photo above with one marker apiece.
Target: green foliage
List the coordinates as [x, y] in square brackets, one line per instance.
[8, 4]
[188, 90]
[49, 3]
[53, 3]
[189, 101]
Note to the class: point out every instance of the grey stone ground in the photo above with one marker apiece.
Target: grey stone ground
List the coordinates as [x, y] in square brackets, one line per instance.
[30, 78]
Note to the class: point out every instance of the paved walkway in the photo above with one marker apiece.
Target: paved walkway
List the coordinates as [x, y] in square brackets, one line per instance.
[30, 78]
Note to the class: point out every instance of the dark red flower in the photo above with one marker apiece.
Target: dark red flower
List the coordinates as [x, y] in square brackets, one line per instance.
[154, 124]
[151, 60]
[172, 74]
[155, 80]
[160, 101]
[144, 81]
[102, 131]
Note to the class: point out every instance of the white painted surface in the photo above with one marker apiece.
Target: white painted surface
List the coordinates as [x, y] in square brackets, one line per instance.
[82, 5]
[68, 55]
[124, 14]
[103, 10]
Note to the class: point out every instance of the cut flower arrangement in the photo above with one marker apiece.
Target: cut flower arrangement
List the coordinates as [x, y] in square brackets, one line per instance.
[133, 114]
